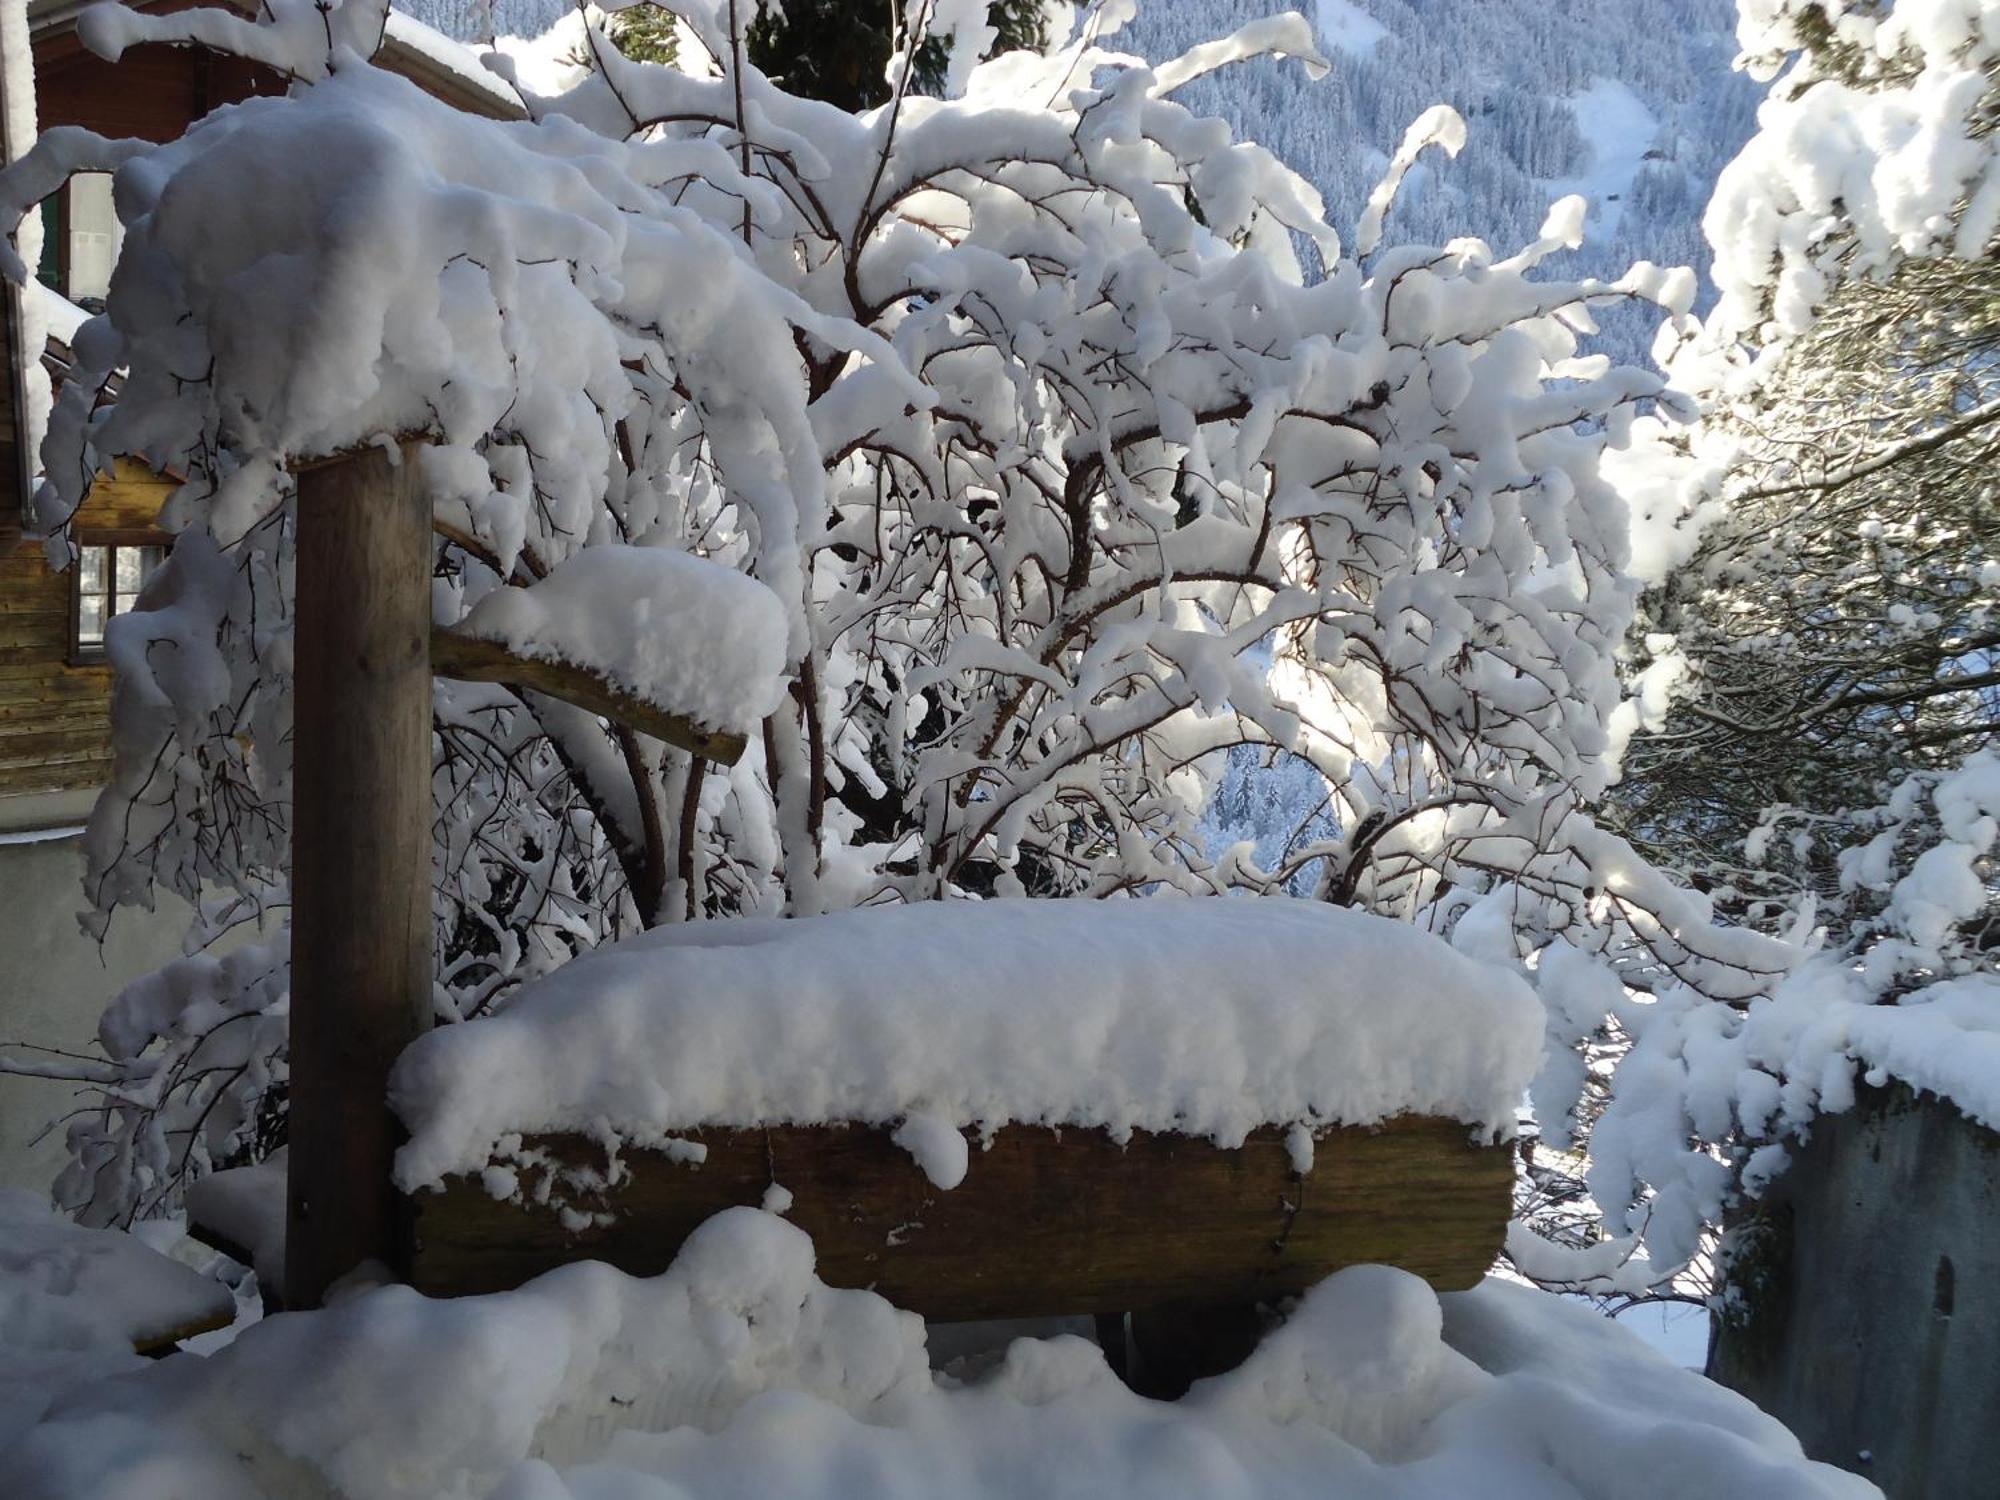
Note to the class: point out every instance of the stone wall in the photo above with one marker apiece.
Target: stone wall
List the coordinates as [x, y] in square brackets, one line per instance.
[54, 983]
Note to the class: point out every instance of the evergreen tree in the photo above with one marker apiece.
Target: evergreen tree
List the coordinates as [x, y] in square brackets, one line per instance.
[836, 51]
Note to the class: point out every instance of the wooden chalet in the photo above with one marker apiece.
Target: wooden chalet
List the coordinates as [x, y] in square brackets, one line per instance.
[54, 681]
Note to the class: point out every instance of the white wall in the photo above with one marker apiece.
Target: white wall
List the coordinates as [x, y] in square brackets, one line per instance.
[54, 982]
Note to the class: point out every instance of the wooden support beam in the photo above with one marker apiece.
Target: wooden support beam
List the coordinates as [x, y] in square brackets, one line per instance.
[1046, 1221]
[361, 889]
[471, 659]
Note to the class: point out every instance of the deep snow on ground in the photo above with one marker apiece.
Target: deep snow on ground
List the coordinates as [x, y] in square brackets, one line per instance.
[737, 1373]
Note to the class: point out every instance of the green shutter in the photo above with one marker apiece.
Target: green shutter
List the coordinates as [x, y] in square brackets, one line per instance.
[49, 272]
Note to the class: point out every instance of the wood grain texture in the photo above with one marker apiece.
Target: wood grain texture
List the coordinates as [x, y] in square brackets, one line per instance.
[55, 722]
[164, 1341]
[473, 660]
[1046, 1222]
[361, 846]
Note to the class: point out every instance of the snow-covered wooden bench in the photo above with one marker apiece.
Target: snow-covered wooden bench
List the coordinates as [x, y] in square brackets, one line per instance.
[977, 1108]
[75, 1288]
[990, 1109]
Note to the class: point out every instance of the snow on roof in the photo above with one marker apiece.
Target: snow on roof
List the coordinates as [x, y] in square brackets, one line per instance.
[695, 637]
[549, 62]
[738, 1372]
[1208, 1017]
[406, 40]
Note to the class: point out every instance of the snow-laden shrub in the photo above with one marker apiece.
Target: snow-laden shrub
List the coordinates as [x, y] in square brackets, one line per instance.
[1818, 636]
[1079, 447]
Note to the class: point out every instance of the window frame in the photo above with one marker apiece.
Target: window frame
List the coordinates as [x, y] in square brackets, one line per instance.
[56, 269]
[66, 212]
[80, 653]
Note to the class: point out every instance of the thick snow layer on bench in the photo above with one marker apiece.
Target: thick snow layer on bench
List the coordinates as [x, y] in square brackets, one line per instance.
[738, 1373]
[693, 637]
[76, 1302]
[1209, 1017]
[246, 1207]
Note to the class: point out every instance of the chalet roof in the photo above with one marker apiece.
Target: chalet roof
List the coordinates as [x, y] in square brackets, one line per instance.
[426, 56]
[421, 53]
[448, 69]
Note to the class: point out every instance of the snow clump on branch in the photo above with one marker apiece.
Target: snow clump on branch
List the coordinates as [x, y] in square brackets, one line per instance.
[1076, 447]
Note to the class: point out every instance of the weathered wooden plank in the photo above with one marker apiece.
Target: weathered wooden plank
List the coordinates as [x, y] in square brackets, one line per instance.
[38, 653]
[126, 500]
[158, 1345]
[1045, 1222]
[55, 777]
[53, 742]
[36, 631]
[473, 660]
[29, 591]
[361, 800]
[37, 682]
[53, 713]
[58, 761]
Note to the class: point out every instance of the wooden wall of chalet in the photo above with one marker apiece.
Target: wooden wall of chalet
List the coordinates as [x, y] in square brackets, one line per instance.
[55, 725]
[154, 92]
[54, 716]
[13, 463]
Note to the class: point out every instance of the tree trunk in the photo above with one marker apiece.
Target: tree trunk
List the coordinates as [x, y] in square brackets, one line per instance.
[361, 816]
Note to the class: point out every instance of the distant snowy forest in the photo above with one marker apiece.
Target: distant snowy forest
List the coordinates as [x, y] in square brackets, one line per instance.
[1632, 103]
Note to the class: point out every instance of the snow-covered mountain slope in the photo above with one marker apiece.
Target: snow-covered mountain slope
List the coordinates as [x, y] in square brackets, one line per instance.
[1630, 102]
[475, 20]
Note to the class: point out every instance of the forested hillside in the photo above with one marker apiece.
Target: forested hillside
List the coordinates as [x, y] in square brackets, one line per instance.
[1630, 102]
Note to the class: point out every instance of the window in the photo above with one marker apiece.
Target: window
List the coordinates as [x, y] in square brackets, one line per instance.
[109, 575]
[81, 239]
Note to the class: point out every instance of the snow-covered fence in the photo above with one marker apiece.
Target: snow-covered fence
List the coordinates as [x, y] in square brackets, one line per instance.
[1047, 1222]
[361, 876]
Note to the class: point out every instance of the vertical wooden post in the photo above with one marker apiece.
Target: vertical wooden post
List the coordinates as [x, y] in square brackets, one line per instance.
[361, 818]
